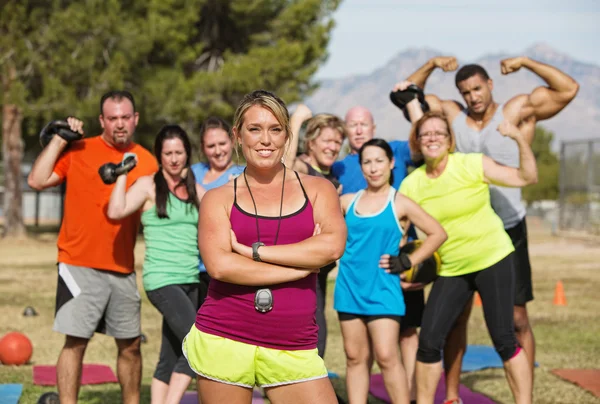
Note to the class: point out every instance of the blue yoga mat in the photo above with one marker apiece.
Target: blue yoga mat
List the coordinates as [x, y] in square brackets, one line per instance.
[10, 393]
[480, 357]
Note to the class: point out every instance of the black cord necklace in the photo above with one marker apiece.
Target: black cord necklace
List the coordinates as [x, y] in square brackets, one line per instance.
[256, 211]
[263, 297]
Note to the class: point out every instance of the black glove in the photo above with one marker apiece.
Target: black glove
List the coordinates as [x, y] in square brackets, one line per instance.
[60, 128]
[400, 263]
[402, 97]
[110, 171]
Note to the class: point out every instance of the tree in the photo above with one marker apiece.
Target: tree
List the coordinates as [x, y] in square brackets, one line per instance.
[234, 47]
[183, 60]
[548, 168]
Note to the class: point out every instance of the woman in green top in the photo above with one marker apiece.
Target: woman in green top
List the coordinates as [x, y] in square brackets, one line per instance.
[169, 202]
[453, 188]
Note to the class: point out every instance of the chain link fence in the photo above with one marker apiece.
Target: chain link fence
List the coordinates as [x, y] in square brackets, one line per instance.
[579, 203]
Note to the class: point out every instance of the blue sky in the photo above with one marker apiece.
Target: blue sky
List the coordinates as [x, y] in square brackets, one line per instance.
[370, 32]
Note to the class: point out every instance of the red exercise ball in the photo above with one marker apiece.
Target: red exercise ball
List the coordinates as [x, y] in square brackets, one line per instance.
[15, 349]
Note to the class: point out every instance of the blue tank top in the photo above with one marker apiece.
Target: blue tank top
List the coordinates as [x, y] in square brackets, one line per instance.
[361, 286]
[200, 170]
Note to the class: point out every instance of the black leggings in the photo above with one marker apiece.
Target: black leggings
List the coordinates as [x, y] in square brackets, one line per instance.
[320, 314]
[448, 297]
[204, 282]
[178, 305]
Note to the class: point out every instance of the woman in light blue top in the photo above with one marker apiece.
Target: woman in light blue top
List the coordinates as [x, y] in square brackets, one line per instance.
[217, 146]
[168, 201]
[369, 299]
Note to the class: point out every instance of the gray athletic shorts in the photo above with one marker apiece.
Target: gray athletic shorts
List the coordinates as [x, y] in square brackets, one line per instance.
[89, 300]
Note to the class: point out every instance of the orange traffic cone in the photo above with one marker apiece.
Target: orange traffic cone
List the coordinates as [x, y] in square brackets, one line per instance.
[559, 295]
[477, 300]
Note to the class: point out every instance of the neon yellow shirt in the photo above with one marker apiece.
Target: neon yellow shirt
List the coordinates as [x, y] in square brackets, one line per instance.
[459, 200]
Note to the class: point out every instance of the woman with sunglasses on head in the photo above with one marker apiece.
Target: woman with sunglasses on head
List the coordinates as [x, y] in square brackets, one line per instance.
[368, 299]
[454, 189]
[263, 237]
[169, 202]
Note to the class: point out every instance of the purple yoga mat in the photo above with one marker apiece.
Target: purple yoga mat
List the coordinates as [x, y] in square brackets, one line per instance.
[191, 397]
[377, 389]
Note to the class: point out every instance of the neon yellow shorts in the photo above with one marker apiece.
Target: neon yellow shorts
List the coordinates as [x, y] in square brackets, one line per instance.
[232, 362]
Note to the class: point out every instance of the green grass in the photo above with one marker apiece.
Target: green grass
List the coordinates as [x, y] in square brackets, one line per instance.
[567, 337]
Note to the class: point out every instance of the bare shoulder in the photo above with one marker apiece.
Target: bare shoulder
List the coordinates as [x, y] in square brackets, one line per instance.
[146, 181]
[313, 184]
[346, 200]
[451, 108]
[400, 201]
[220, 196]
[319, 190]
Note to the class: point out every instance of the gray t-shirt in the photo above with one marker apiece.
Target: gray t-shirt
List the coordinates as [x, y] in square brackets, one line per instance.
[504, 150]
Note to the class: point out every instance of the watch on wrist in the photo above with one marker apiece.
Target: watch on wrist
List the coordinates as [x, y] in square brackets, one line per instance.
[405, 262]
[255, 255]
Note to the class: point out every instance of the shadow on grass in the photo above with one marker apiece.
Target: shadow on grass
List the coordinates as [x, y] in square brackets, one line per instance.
[109, 393]
[339, 385]
[474, 381]
[469, 379]
[96, 394]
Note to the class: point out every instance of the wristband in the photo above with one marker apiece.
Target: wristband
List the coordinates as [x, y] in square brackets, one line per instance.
[255, 255]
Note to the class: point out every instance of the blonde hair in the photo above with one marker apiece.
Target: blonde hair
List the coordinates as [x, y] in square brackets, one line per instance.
[413, 138]
[266, 100]
[319, 122]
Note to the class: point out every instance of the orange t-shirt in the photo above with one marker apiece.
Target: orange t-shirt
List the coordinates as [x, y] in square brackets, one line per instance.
[87, 236]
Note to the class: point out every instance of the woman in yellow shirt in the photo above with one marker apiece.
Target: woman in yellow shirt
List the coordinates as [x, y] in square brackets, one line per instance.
[453, 188]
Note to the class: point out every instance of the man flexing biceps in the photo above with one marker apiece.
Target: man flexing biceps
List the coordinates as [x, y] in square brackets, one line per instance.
[475, 126]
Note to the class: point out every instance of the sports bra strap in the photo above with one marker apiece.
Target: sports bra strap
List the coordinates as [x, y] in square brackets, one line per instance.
[301, 186]
[235, 190]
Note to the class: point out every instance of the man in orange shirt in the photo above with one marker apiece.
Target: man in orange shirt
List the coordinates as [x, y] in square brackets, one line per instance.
[97, 289]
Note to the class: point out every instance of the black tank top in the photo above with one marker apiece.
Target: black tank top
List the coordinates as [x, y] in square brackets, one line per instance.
[311, 171]
[329, 176]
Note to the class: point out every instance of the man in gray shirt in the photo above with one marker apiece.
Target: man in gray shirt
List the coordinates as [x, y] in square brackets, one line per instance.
[475, 127]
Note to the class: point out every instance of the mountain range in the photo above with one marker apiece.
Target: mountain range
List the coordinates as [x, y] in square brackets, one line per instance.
[579, 120]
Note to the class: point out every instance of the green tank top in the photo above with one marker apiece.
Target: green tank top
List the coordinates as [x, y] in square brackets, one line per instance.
[459, 200]
[172, 255]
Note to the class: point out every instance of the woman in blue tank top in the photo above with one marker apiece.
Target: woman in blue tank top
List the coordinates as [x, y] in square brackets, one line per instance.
[217, 146]
[369, 299]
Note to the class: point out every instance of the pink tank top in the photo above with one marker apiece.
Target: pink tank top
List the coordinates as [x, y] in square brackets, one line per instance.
[228, 310]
